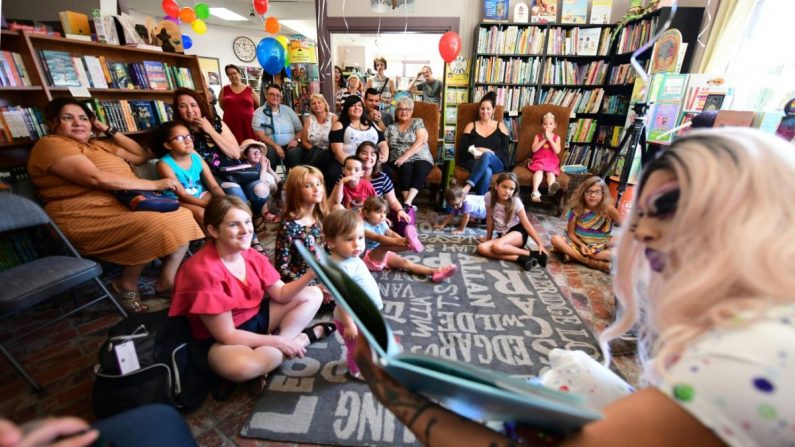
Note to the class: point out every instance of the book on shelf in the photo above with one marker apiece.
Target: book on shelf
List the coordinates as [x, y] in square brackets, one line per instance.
[130, 116]
[574, 11]
[588, 41]
[95, 72]
[544, 11]
[702, 86]
[601, 11]
[582, 130]
[156, 74]
[75, 23]
[615, 104]
[451, 115]
[513, 99]
[511, 40]
[498, 70]
[578, 100]
[12, 70]
[632, 36]
[561, 71]
[144, 114]
[59, 68]
[578, 41]
[121, 77]
[105, 27]
[21, 123]
[496, 10]
[476, 393]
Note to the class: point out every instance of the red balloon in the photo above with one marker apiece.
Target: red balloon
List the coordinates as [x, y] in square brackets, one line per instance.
[170, 7]
[449, 46]
[261, 6]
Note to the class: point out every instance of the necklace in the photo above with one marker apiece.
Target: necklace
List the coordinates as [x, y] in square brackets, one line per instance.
[236, 267]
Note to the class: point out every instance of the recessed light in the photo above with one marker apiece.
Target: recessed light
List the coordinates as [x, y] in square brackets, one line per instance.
[225, 14]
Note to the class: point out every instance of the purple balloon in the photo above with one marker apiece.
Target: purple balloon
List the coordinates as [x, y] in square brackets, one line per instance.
[171, 19]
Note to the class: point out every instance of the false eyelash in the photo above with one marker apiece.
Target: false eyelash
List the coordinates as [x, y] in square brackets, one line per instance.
[665, 204]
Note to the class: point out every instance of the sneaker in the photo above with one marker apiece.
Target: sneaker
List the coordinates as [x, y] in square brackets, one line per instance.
[414, 241]
[553, 188]
[444, 273]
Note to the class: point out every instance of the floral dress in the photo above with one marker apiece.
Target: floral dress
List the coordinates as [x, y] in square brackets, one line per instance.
[288, 262]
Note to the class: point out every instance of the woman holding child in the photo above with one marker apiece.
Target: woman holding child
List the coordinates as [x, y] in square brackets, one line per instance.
[75, 175]
[717, 315]
[244, 320]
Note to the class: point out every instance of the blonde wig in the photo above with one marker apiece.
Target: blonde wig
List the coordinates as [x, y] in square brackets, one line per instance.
[577, 201]
[321, 98]
[294, 184]
[730, 243]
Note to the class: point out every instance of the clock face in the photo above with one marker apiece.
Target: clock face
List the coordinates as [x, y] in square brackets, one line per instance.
[244, 49]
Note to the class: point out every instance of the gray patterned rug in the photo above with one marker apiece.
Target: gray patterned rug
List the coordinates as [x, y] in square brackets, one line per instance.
[491, 314]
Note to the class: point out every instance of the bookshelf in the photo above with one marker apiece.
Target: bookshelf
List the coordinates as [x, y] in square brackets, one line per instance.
[144, 85]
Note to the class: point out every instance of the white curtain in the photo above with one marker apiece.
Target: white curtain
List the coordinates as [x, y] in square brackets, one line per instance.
[728, 29]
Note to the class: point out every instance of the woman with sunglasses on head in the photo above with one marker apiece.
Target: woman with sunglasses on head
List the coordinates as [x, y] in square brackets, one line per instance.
[76, 174]
[705, 270]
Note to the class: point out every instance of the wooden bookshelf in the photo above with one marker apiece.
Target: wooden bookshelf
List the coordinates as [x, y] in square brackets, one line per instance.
[37, 95]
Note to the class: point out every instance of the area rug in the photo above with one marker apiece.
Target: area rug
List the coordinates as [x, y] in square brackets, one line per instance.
[491, 314]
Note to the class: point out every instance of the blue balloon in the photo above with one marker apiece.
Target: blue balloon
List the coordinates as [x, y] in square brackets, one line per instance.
[288, 72]
[187, 42]
[270, 55]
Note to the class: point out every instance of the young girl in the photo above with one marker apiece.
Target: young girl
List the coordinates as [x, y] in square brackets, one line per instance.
[383, 242]
[591, 217]
[268, 184]
[506, 216]
[546, 149]
[173, 144]
[304, 209]
[465, 205]
[345, 240]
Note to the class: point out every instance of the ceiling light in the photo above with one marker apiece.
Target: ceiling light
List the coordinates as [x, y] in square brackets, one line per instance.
[225, 14]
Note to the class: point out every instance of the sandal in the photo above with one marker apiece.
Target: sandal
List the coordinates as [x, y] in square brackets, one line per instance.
[535, 197]
[130, 299]
[328, 329]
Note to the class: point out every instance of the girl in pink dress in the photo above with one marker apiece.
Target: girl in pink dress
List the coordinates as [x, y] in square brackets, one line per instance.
[546, 149]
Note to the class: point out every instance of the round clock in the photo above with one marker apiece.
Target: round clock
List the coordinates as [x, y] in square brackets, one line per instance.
[244, 49]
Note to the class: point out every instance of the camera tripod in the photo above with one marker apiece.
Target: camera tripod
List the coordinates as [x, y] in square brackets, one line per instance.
[635, 135]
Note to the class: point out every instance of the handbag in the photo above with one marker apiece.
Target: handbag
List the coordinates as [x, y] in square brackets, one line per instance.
[241, 176]
[138, 200]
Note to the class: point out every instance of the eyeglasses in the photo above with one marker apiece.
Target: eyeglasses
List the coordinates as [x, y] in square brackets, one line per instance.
[70, 117]
[594, 192]
[401, 109]
[274, 95]
[182, 138]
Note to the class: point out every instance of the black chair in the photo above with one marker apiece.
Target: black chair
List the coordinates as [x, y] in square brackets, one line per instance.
[35, 281]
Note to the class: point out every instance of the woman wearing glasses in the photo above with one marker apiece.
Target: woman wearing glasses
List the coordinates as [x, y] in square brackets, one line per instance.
[410, 159]
[277, 125]
[75, 175]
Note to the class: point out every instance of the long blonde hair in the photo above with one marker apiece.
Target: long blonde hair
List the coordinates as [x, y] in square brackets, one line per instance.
[729, 243]
[292, 188]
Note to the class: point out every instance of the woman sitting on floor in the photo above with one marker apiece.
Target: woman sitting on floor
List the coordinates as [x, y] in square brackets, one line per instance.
[76, 174]
[708, 237]
[241, 333]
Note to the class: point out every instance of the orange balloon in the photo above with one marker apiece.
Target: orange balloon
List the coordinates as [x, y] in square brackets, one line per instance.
[187, 15]
[272, 25]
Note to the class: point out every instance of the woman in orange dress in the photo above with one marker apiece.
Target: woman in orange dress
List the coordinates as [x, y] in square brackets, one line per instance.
[75, 174]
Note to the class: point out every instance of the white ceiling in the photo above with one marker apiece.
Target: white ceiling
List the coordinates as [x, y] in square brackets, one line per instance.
[301, 11]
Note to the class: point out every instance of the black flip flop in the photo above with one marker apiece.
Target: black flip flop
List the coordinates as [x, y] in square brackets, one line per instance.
[328, 329]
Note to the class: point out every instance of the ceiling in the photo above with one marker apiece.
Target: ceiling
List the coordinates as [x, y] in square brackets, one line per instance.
[296, 16]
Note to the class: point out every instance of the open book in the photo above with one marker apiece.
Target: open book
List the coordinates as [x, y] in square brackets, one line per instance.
[473, 392]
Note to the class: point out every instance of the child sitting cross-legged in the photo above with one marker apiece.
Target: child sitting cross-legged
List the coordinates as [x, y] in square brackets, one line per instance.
[351, 190]
[465, 205]
[264, 190]
[344, 233]
[591, 217]
[380, 254]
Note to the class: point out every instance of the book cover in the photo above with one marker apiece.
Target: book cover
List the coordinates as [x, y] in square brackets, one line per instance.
[143, 114]
[574, 11]
[544, 11]
[601, 11]
[95, 73]
[475, 393]
[121, 77]
[588, 41]
[495, 10]
[786, 129]
[61, 69]
[74, 23]
[713, 102]
[156, 73]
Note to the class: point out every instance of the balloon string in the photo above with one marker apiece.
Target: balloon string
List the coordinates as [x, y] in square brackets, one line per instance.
[706, 25]
[634, 59]
[324, 42]
[344, 19]
[406, 15]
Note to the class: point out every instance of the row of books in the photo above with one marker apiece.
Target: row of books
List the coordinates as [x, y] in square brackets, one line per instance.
[567, 72]
[19, 123]
[615, 104]
[624, 73]
[511, 40]
[579, 41]
[496, 70]
[455, 95]
[130, 116]
[64, 70]
[513, 99]
[578, 100]
[582, 130]
[636, 34]
[512, 123]
[12, 70]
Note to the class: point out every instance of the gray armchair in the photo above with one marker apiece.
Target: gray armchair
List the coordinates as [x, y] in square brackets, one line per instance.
[35, 281]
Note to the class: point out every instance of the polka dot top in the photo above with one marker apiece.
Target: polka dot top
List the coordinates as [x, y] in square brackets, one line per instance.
[740, 380]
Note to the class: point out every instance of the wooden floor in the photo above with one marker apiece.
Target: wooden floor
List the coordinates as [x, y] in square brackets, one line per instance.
[62, 358]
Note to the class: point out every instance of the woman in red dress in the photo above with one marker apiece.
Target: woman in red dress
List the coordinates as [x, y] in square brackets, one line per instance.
[238, 102]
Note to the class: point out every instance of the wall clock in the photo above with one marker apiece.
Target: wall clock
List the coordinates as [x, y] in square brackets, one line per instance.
[244, 49]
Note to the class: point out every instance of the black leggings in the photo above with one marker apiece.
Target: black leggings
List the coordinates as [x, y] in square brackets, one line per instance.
[410, 175]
